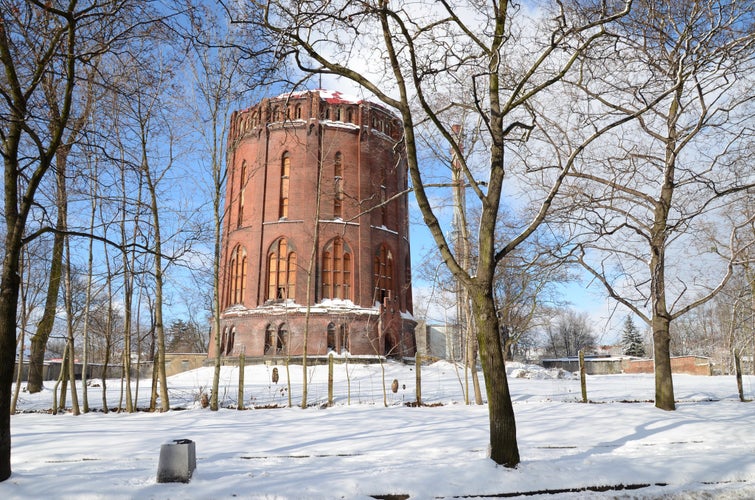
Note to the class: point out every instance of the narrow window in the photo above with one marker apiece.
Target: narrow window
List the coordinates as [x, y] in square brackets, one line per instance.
[231, 339]
[280, 292]
[383, 198]
[346, 282]
[338, 186]
[282, 341]
[383, 274]
[298, 112]
[272, 269]
[242, 287]
[331, 337]
[344, 337]
[237, 277]
[337, 268]
[327, 276]
[270, 336]
[291, 281]
[242, 190]
[285, 173]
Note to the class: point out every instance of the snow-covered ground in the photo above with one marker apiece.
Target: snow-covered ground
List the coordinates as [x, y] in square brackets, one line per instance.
[362, 449]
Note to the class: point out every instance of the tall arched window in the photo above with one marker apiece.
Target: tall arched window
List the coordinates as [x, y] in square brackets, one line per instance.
[383, 274]
[281, 271]
[242, 190]
[331, 337]
[231, 339]
[282, 341]
[336, 270]
[285, 173]
[237, 268]
[344, 337]
[338, 185]
[270, 339]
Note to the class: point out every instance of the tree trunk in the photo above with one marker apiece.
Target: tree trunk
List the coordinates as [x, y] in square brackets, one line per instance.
[503, 444]
[664, 385]
[44, 327]
[68, 297]
[217, 220]
[128, 285]
[9, 287]
[738, 371]
[22, 338]
[159, 328]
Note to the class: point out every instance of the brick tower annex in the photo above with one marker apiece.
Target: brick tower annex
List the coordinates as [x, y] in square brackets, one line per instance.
[316, 224]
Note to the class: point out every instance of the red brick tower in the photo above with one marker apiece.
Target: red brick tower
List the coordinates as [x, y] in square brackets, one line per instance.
[316, 224]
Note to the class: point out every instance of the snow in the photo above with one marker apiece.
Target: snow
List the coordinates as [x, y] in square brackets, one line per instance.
[360, 448]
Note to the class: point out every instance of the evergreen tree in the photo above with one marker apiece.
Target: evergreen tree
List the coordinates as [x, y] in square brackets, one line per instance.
[631, 339]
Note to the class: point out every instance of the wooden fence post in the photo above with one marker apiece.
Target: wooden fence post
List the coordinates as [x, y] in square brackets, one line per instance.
[582, 380]
[242, 365]
[330, 380]
[418, 368]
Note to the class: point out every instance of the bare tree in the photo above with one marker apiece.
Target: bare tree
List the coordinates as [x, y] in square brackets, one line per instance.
[568, 333]
[40, 41]
[31, 296]
[414, 51]
[228, 62]
[34, 40]
[215, 73]
[648, 200]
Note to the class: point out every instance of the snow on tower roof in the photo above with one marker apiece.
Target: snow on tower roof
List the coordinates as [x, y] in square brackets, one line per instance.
[331, 96]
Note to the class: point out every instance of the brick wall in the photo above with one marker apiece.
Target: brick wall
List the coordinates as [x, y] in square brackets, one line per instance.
[692, 365]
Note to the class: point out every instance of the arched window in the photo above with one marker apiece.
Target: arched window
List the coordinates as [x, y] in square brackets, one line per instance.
[231, 339]
[336, 270]
[338, 185]
[242, 190]
[344, 337]
[237, 269]
[297, 113]
[383, 274]
[281, 271]
[331, 337]
[282, 340]
[383, 205]
[285, 173]
[270, 339]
